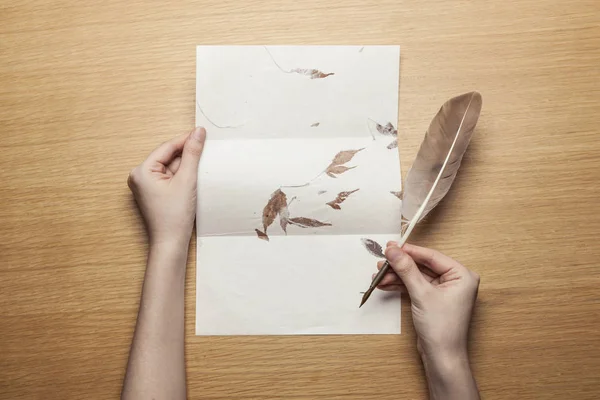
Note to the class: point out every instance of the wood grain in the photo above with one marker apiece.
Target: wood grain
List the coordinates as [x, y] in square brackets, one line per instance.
[87, 89]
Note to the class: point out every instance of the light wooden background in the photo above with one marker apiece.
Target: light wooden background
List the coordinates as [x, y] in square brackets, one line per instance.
[87, 89]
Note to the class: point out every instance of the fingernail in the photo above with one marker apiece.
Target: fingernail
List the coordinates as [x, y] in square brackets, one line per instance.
[199, 133]
[393, 254]
[392, 243]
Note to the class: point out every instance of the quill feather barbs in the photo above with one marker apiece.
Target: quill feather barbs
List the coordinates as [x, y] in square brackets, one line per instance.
[434, 169]
[439, 157]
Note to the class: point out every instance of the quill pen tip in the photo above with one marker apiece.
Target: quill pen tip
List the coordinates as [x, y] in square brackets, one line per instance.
[376, 281]
[365, 297]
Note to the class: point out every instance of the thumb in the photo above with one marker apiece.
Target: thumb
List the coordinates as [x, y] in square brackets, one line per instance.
[404, 266]
[192, 150]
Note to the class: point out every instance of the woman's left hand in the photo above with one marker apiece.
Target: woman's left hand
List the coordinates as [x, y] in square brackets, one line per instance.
[164, 186]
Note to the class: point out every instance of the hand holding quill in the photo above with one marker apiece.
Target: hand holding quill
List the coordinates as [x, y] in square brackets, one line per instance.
[436, 165]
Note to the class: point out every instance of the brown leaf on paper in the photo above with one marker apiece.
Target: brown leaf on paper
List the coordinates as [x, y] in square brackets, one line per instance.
[393, 145]
[284, 218]
[315, 124]
[334, 205]
[303, 222]
[261, 235]
[313, 73]
[344, 195]
[336, 167]
[387, 129]
[341, 197]
[373, 247]
[277, 202]
[397, 194]
[344, 156]
[333, 170]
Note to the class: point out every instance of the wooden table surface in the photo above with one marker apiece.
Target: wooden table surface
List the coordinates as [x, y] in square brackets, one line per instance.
[87, 89]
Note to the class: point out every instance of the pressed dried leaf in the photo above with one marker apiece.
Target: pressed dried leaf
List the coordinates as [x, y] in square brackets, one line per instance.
[387, 129]
[284, 218]
[337, 169]
[334, 205]
[334, 167]
[318, 74]
[261, 235]
[341, 197]
[276, 203]
[312, 73]
[344, 156]
[308, 222]
[373, 247]
[393, 145]
[397, 194]
[344, 195]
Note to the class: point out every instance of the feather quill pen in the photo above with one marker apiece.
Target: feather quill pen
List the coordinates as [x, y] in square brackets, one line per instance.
[436, 165]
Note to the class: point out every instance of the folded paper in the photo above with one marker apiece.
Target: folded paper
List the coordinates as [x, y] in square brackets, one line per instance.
[300, 171]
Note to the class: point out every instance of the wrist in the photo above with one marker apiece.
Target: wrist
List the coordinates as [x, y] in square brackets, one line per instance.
[438, 350]
[449, 376]
[169, 242]
[170, 252]
[446, 364]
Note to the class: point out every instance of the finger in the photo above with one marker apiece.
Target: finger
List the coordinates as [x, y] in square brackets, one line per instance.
[434, 260]
[192, 150]
[174, 166]
[380, 264]
[427, 272]
[132, 178]
[392, 278]
[393, 288]
[389, 279]
[404, 266]
[166, 152]
[435, 282]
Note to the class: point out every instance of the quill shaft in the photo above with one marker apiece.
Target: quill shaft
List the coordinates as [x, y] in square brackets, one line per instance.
[376, 281]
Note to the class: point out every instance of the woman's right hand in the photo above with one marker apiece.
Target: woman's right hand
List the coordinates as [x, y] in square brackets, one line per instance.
[442, 292]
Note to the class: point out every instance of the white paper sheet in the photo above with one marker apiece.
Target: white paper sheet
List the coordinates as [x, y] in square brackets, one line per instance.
[271, 127]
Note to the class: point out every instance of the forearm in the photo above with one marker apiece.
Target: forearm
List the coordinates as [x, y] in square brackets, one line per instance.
[156, 367]
[449, 377]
